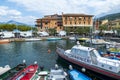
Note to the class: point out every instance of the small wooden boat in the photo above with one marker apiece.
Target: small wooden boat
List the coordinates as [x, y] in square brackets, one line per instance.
[53, 38]
[72, 38]
[4, 69]
[27, 73]
[82, 39]
[41, 75]
[33, 39]
[2, 41]
[76, 75]
[57, 74]
[7, 75]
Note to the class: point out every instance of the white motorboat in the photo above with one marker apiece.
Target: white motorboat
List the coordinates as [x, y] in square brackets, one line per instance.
[32, 39]
[89, 58]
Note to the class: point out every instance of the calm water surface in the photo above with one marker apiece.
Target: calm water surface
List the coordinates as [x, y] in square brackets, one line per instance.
[15, 52]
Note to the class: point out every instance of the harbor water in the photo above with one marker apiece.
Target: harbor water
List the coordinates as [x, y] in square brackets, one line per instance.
[44, 52]
[15, 52]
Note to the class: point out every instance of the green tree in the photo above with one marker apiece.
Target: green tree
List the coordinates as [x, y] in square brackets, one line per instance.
[52, 31]
[11, 27]
[103, 27]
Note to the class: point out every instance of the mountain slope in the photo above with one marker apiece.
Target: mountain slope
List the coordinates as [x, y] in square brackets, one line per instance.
[111, 16]
[14, 22]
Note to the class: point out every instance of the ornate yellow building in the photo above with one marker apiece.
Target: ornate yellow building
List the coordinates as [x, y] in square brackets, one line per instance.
[59, 22]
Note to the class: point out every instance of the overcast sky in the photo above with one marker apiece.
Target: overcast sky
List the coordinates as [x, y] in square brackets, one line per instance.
[27, 11]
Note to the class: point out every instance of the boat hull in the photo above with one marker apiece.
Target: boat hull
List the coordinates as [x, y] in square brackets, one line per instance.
[53, 39]
[32, 39]
[27, 73]
[76, 75]
[7, 75]
[97, 70]
[4, 41]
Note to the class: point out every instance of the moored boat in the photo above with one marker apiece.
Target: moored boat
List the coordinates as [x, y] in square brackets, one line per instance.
[41, 75]
[2, 41]
[77, 75]
[72, 38]
[57, 74]
[82, 39]
[90, 59]
[7, 75]
[32, 39]
[4, 69]
[114, 49]
[53, 38]
[96, 41]
[27, 73]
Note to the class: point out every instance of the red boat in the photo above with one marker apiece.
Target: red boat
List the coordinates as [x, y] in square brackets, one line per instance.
[27, 73]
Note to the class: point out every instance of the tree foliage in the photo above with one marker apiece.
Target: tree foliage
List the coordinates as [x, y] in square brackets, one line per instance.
[103, 27]
[52, 31]
[78, 30]
[11, 27]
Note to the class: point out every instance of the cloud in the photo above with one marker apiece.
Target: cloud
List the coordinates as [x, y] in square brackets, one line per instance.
[31, 8]
[26, 19]
[69, 6]
[4, 11]
[7, 14]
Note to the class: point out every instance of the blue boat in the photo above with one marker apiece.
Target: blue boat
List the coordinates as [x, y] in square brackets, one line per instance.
[76, 75]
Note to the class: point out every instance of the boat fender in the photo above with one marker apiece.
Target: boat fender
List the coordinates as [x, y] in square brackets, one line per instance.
[35, 62]
[65, 73]
[24, 61]
[70, 67]
[56, 66]
[7, 66]
[83, 69]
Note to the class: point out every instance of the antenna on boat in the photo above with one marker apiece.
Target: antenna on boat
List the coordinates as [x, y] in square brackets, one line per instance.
[70, 67]
[24, 61]
[35, 62]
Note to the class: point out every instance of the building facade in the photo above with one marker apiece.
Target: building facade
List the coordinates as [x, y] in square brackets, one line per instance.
[60, 22]
[49, 22]
[114, 23]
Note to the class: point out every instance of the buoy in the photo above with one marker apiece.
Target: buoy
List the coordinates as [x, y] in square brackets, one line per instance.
[49, 50]
[83, 69]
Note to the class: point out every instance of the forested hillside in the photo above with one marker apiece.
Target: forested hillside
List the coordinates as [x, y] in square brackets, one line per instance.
[111, 16]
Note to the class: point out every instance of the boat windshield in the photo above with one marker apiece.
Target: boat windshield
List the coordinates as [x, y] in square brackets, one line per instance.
[95, 52]
[82, 53]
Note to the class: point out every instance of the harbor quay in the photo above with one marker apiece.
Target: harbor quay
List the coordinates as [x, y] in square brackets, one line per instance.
[116, 39]
[42, 38]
